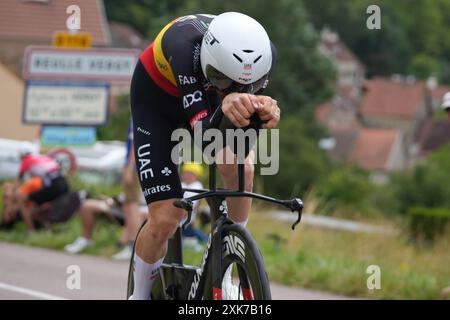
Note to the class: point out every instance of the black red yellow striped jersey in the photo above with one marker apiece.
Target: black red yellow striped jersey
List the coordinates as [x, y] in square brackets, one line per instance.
[173, 62]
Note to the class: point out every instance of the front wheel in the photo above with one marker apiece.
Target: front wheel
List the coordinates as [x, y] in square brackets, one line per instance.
[243, 274]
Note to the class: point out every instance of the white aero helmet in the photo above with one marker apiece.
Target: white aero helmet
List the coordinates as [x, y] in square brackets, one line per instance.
[446, 101]
[236, 54]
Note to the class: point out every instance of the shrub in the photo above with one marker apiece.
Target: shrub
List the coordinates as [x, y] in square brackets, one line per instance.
[346, 188]
[426, 185]
[426, 224]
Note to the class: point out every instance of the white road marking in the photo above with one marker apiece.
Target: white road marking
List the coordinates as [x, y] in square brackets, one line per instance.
[29, 292]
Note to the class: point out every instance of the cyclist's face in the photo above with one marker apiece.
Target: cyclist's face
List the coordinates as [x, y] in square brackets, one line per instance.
[225, 85]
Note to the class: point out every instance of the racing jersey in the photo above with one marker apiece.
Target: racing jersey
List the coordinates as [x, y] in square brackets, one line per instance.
[173, 62]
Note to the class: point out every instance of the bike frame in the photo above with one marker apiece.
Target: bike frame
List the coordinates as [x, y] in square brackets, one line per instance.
[209, 275]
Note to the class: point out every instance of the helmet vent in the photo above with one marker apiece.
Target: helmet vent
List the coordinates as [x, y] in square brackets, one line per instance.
[248, 51]
[237, 57]
[256, 60]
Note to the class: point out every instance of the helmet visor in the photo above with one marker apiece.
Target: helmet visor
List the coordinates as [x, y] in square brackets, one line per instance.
[226, 85]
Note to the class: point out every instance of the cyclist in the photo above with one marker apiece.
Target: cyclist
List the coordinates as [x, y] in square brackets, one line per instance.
[43, 183]
[197, 66]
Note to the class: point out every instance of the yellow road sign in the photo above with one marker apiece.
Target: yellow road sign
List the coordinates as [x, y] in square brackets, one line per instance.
[72, 40]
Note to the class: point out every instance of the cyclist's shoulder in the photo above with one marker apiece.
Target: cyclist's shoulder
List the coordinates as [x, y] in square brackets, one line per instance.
[198, 22]
[185, 32]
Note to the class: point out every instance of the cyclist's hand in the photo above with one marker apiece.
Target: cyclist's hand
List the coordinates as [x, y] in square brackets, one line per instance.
[239, 107]
[268, 111]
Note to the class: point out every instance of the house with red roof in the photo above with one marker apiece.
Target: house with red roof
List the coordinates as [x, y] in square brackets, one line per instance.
[35, 21]
[383, 130]
[381, 124]
[396, 104]
[378, 150]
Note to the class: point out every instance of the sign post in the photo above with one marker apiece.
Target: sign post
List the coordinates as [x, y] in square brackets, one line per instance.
[68, 86]
[68, 136]
[65, 103]
[111, 65]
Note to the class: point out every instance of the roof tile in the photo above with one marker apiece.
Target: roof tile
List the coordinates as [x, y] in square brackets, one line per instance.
[387, 98]
[38, 20]
[373, 147]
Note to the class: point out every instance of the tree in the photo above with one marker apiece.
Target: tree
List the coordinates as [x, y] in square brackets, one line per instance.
[302, 76]
[345, 186]
[424, 66]
[146, 16]
[301, 161]
[408, 29]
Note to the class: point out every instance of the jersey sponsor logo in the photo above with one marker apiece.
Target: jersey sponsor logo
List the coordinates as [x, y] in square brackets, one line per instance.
[166, 171]
[157, 189]
[190, 99]
[196, 56]
[145, 171]
[233, 245]
[199, 116]
[187, 80]
[139, 129]
[210, 39]
[162, 66]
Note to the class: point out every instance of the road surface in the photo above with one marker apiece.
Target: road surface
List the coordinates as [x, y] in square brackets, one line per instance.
[35, 273]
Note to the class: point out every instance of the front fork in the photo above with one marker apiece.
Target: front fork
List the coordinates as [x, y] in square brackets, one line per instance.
[220, 219]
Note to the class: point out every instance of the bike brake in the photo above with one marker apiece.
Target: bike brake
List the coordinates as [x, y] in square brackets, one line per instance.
[297, 205]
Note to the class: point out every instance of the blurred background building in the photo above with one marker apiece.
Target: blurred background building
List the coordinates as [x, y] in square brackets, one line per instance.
[381, 124]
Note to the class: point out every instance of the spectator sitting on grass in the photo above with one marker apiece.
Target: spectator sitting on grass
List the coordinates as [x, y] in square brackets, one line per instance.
[111, 208]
